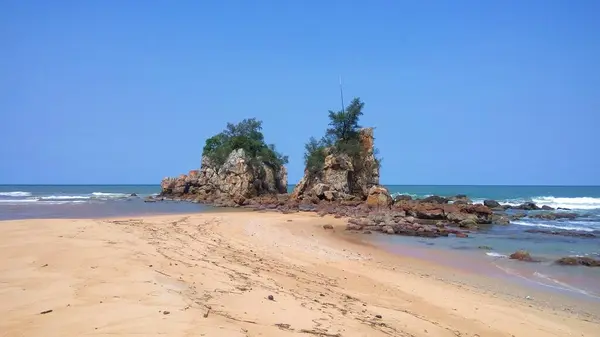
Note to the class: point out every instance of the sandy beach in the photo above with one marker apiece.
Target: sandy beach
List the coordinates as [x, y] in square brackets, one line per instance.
[250, 274]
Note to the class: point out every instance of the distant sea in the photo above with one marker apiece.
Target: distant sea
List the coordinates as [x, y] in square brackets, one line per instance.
[487, 248]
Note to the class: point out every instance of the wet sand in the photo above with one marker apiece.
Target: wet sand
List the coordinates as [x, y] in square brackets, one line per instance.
[251, 274]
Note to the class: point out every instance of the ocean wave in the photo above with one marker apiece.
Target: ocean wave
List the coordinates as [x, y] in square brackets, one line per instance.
[494, 254]
[63, 197]
[39, 202]
[110, 195]
[572, 203]
[17, 201]
[575, 203]
[553, 226]
[560, 285]
[414, 196]
[15, 194]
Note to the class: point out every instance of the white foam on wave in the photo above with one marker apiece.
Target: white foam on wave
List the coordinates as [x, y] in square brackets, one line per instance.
[560, 285]
[15, 194]
[110, 195]
[17, 201]
[63, 197]
[494, 254]
[555, 226]
[414, 196]
[572, 203]
[39, 202]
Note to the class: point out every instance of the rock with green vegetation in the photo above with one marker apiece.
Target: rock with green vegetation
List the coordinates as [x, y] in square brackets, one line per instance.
[236, 165]
[343, 163]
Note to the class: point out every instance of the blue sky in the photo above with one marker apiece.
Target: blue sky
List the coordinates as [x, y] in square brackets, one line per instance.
[460, 92]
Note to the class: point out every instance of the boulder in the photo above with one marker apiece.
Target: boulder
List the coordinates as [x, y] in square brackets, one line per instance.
[469, 223]
[553, 216]
[522, 255]
[528, 206]
[500, 219]
[491, 203]
[402, 197]
[387, 229]
[347, 179]
[434, 199]
[379, 197]
[578, 260]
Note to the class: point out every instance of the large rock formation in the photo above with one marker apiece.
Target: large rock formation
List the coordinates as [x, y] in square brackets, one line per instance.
[234, 182]
[341, 177]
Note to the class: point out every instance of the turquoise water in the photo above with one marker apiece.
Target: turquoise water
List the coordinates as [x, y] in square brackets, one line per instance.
[85, 201]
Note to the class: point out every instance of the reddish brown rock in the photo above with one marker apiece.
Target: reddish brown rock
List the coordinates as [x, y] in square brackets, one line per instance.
[522, 255]
[379, 197]
[578, 261]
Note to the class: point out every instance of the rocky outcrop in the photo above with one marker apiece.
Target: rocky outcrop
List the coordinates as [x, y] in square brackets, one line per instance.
[554, 216]
[578, 261]
[467, 214]
[342, 177]
[576, 234]
[394, 222]
[232, 183]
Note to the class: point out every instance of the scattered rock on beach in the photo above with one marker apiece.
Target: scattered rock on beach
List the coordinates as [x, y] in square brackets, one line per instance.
[327, 226]
[578, 260]
[270, 298]
[522, 255]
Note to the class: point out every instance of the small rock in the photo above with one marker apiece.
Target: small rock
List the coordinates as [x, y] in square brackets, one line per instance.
[46, 312]
[327, 226]
[271, 298]
[166, 312]
[522, 255]
[378, 316]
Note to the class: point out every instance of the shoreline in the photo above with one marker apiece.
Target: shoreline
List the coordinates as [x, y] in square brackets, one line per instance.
[330, 281]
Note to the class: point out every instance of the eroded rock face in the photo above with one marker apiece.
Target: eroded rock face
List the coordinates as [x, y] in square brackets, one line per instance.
[343, 179]
[236, 181]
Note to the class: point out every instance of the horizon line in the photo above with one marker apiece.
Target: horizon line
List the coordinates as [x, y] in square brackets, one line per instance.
[411, 185]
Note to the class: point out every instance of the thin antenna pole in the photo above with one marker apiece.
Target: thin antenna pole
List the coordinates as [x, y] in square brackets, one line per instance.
[342, 94]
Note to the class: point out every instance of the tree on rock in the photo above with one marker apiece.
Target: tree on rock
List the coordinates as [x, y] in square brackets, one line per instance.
[342, 137]
[343, 164]
[246, 135]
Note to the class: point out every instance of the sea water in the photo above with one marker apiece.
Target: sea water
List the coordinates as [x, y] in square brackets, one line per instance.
[85, 201]
[487, 249]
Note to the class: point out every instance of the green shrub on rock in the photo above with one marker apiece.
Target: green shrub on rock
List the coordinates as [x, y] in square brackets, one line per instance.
[342, 137]
[246, 135]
